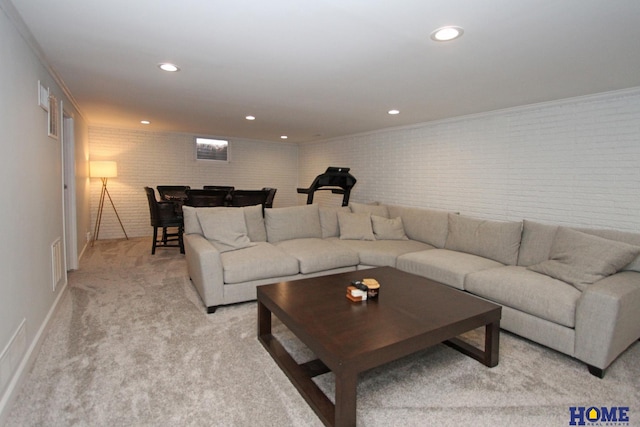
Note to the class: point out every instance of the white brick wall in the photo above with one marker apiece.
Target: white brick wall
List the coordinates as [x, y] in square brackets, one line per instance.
[574, 162]
[159, 158]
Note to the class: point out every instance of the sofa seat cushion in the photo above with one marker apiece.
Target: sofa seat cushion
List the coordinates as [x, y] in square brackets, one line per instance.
[261, 261]
[527, 291]
[382, 253]
[318, 254]
[444, 266]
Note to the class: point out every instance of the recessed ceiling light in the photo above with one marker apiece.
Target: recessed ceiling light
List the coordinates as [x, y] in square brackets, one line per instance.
[446, 34]
[166, 66]
[394, 112]
[250, 118]
[145, 122]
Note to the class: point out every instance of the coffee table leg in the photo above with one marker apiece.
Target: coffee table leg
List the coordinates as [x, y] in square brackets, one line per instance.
[491, 354]
[345, 407]
[264, 320]
[492, 344]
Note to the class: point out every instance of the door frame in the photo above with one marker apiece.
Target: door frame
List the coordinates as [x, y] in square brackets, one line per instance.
[69, 192]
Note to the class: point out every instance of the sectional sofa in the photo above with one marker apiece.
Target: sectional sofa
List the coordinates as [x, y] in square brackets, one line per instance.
[574, 290]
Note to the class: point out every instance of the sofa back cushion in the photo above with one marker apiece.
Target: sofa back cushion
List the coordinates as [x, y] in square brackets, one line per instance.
[422, 224]
[496, 240]
[295, 222]
[537, 239]
[255, 223]
[329, 220]
[370, 208]
[191, 223]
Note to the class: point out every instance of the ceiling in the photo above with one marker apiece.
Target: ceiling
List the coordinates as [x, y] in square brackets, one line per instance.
[326, 68]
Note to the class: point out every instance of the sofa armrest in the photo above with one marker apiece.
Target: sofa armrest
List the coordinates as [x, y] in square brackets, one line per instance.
[205, 269]
[608, 318]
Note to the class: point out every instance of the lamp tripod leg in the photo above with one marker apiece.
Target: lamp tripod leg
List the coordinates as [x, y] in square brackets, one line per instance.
[96, 229]
[115, 210]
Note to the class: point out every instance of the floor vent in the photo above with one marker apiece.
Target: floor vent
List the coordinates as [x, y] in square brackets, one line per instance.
[57, 264]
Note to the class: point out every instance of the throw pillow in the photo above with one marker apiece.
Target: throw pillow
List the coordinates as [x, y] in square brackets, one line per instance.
[225, 228]
[355, 226]
[581, 259]
[388, 229]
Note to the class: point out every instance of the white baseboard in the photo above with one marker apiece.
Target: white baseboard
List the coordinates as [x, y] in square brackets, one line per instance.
[15, 385]
[84, 249]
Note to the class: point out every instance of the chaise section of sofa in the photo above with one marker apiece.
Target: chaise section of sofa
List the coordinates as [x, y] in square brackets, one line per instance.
[592, 322]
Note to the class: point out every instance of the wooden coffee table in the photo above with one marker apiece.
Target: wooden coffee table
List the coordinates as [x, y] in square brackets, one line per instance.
[411, 313]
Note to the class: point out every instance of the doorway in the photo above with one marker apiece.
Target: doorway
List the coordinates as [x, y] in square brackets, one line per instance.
[69, 192]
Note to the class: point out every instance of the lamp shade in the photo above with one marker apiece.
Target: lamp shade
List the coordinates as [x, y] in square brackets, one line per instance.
[103, 169]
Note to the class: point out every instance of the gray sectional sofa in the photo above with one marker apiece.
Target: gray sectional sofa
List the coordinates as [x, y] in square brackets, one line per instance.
[574, 290]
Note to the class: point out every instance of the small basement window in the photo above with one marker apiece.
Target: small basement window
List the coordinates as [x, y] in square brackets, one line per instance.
[212, 149]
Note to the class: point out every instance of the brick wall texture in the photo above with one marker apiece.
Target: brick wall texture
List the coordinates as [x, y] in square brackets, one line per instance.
[573, 162]
[159, 158]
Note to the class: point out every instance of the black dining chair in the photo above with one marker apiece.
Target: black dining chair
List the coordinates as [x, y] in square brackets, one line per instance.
[219, 187]
[163, 215]
[271, 194]
[207, 198]
[173, 192]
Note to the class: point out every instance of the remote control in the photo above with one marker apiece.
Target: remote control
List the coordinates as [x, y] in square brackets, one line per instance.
[358, 284]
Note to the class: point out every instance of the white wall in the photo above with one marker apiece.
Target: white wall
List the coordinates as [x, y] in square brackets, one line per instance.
[574, 162]
[147, 158]
[31, 215]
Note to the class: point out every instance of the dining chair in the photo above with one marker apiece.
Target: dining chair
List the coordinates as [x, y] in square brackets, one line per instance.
[173, 192]
[219, 187]
[271, 194]
[163, 214]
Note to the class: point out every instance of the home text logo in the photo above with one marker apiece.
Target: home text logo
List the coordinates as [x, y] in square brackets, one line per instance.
[603, 416]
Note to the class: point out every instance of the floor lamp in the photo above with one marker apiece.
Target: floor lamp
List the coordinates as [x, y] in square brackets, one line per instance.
[104, 170]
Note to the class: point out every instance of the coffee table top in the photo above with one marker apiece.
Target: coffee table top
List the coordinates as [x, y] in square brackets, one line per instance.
[411, 313]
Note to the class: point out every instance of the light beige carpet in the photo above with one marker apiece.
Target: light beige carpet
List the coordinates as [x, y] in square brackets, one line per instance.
[132, 345]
